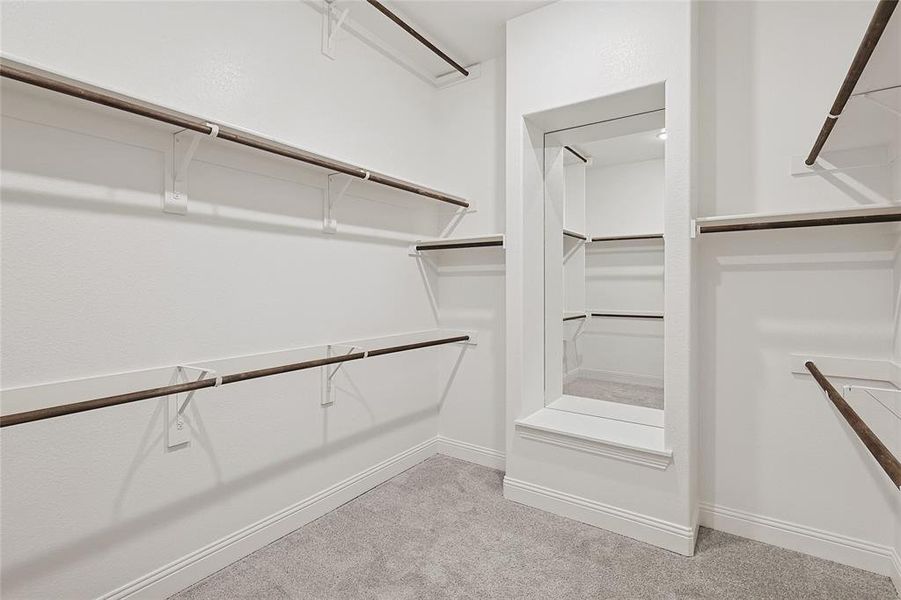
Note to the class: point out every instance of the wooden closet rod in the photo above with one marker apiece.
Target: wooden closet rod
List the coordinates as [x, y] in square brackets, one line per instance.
[422, 40]
[78, 89]
[76, 407]
[647, 236]
[883, 455]
[878, 23]
[575, 317]
[432, 246]
[789, 224]
[577, 155]
[576, 235]
[626, 315]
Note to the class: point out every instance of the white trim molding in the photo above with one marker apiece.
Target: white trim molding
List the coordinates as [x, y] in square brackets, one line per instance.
[480, 455]
[632, 455]
[629, 443]
[193, 567]
[645, 528]
[896, 571]
[801, 538]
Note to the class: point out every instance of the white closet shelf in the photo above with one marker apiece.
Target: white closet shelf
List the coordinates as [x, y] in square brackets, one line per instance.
[46, 401]
[482, 241]
[869, 48]
[637, 443]
[111, 99]
[786, 220]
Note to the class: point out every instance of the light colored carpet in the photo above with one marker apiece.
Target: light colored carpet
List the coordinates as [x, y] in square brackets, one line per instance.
[624, 393]
[444, 530]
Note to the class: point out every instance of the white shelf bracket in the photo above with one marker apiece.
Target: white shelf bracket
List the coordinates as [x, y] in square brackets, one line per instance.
[578, 244]
[328, 371]
[843, 160]
[338, 184]
[177, 431]
[868, 390]
[184, 145]
[332, 21]
[581, 326]
[866, 96]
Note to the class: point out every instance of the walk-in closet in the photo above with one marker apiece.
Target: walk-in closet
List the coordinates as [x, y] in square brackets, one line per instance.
[357, 299]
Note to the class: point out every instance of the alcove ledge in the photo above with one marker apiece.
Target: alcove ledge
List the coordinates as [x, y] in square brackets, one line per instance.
[637, 443]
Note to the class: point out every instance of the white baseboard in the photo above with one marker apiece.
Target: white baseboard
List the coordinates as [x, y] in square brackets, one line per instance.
[620, 377]
[816, 542]
[193, 567]
[671, 536]
[201, 563]
[480, 455]
[896, 571]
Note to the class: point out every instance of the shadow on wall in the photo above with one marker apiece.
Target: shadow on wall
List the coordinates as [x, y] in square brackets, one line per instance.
[752, 132]
[17, 575]
[239, 189]
[765, 296]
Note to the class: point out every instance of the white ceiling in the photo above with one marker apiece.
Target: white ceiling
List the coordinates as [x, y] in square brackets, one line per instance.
[469, 31]
[635, 147]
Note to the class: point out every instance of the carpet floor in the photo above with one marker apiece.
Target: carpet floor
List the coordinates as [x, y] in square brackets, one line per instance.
[443, 530]
[611, 391]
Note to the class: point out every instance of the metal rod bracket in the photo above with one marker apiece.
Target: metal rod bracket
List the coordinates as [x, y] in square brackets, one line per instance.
[328, 372]
[184, 145]
[332, 21]
[338, 184]
[177, 432]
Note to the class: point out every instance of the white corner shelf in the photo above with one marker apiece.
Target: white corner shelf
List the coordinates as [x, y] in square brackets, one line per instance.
[495, 240]
[637, 443]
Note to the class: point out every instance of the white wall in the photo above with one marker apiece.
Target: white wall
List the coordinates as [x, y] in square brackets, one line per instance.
[574, 218]
[896, 438]
[778, 462]
[99, 282]
[626, 199]
[553, 61]
[471, 282]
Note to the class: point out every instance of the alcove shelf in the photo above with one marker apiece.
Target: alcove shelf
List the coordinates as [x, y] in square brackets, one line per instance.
[482, 241]
[613, 438]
